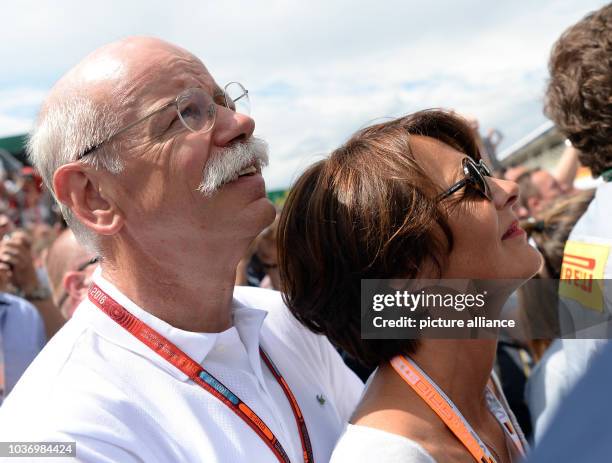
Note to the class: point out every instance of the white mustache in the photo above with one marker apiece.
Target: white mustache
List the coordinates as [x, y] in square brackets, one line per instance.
[224, 165]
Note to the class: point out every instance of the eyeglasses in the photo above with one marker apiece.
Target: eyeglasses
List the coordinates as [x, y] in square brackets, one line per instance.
[475, 174]
[196, 110]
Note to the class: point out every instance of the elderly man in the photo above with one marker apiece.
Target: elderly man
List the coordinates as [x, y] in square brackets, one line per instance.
[157, 170]
[69, 267]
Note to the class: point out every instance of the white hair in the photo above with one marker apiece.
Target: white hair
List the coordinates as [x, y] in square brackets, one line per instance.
[66, 129]
[225, 165]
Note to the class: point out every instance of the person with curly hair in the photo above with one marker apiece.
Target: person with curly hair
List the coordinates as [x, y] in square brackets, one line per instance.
[539, 301]
[578, 100]
[578, 94]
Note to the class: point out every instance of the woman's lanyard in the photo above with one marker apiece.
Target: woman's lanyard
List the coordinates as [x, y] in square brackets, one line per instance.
[203, 378]
[439, 402]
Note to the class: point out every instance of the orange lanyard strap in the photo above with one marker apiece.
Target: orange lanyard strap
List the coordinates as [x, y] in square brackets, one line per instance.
[439, 402]
[175, 356]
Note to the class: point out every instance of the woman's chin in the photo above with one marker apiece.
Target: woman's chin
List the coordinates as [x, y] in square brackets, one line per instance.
[526, 265]
[533, 264]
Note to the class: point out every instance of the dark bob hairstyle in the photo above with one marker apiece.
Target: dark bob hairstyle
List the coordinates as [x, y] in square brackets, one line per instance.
[367, 211]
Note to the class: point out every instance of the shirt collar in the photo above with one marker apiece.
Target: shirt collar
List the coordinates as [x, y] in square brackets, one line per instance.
[247, 321]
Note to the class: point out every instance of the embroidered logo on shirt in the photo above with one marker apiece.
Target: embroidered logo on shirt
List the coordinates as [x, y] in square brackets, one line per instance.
[321, 399]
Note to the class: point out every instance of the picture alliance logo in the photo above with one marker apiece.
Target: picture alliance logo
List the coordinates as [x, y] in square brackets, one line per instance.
[426, 300]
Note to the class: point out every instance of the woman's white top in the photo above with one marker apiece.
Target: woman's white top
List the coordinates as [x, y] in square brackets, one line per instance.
[362, 444]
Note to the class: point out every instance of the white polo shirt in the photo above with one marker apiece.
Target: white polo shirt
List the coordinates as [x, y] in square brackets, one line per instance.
[96, 384]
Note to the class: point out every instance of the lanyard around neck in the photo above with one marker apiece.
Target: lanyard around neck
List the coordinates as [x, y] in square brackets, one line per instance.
[439, 402]
[179, 359]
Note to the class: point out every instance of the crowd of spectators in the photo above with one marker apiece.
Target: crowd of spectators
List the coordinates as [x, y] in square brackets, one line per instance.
[42, 278]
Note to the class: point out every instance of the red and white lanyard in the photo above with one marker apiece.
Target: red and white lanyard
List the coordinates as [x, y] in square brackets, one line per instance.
[439, 402]
[203, 378]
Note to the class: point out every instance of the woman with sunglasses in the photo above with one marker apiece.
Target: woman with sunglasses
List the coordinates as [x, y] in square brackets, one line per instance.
[408, 199]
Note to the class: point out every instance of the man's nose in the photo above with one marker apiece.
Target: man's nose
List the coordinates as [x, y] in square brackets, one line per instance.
[231, 126]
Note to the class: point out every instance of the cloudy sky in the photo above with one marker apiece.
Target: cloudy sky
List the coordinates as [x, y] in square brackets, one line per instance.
[317, 70]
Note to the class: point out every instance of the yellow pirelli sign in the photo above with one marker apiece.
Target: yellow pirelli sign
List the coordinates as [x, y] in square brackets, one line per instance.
[582, 273]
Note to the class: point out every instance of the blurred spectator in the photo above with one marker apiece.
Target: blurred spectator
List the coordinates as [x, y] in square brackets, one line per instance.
[266, 252]
[547, 185]
[22, 337]
[529, 203]
[580, 431]
[259, 266]
[245, 274]
[69, 267]
[6, 225]
[42, 235]
[538, 187]
[30, 202]
[17, 261]
[578, 101]
[514, 173]
[561, 181]
[539, 302]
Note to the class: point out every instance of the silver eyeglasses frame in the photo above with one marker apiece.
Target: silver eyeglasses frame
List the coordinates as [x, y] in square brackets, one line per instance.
[229, 103]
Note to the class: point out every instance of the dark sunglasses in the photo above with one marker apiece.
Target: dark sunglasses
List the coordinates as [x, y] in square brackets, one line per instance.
[475, 174]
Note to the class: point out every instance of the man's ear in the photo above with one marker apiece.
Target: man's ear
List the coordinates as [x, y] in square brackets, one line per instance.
[533, 204]
[73, 283]
[79, 191]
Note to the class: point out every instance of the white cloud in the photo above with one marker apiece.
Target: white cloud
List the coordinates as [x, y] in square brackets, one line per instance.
[14, 125]
[17, 109]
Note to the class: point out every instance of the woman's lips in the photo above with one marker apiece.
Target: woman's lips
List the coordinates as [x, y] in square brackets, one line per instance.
[513, 231]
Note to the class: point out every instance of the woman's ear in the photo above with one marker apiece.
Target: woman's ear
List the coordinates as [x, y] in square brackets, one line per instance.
[78, 190]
